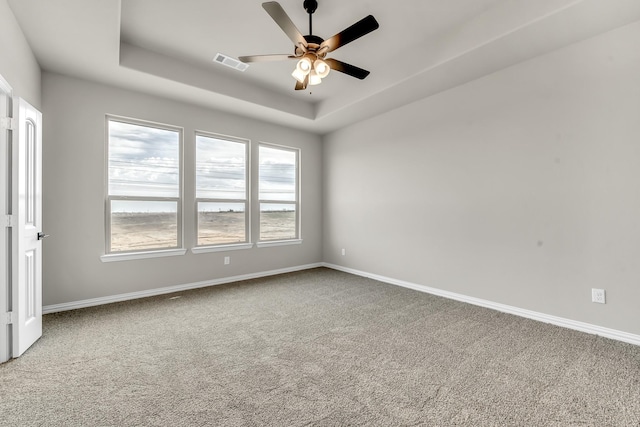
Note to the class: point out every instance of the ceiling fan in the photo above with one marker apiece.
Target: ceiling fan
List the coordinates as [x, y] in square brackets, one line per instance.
[310, 50]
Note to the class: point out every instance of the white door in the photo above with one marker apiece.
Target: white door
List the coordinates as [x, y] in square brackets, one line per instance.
[27, 227]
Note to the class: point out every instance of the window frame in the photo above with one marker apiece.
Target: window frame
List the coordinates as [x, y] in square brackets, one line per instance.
[247, 243]
[298, 216]
[148, 252]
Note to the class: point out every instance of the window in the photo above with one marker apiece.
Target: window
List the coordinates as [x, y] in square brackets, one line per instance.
[278, 193]
[221, 190]
[144, 186]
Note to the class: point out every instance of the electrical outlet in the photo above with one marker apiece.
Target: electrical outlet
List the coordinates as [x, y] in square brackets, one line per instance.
[344, 251]
[598, 295]
[227, 260]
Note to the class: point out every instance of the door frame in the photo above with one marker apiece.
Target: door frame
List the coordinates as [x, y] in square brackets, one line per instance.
[6, 174]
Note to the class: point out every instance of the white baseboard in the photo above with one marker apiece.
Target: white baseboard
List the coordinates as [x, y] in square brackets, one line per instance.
[546, 318]
[55, 308]
[542, 317]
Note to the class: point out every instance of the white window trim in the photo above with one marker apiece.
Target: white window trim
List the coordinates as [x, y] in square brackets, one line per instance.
[221, 248]
[128, 256]
[152, 252]
[273, 243]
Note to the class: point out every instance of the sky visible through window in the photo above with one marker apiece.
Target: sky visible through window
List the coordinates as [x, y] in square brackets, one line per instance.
[220, 169]
[144, 162]
[277, 178]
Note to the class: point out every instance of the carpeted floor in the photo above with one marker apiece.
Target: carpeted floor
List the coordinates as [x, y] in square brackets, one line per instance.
[315, 348]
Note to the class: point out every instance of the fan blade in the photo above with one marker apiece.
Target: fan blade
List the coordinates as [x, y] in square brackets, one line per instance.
[266, 58]
[302, 86]
[349, 69]
[357, 30]
[278, 14]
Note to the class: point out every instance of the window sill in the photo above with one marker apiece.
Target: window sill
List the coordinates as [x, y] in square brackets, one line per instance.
[221, 248]
[279, 243]
[142, 255]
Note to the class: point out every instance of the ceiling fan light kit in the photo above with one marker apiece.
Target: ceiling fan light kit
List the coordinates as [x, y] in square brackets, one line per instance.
[311, 50]
[310, 65]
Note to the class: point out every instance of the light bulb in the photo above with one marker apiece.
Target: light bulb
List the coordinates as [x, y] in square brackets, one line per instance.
[304, 65]
[321, 68]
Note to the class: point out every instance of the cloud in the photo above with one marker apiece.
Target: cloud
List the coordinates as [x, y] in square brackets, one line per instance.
[143, 161]
[277, 174]
[220, 168]
[139, 142]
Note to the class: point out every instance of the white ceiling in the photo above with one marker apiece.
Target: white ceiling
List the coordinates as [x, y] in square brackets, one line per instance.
[422, 47]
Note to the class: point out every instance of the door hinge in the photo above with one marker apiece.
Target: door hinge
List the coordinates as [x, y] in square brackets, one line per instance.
[8, 123]
[9, 221]
[11, 318]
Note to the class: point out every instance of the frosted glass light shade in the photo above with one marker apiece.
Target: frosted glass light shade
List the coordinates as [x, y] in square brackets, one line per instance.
[314, 78]
[304, 65]
[321, 68]
[299, 75]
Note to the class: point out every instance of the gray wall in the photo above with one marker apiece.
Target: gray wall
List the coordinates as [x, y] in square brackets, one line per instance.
[74, 176]
[18, 65]
[521, 188]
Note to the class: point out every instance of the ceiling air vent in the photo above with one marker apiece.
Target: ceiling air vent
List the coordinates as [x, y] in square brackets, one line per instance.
[230, 62]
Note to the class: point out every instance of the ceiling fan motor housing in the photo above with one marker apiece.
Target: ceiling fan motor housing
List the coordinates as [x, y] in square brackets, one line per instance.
[311, 39]
[313, 44]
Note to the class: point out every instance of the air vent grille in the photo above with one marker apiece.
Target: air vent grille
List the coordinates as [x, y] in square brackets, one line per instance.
[230, 62]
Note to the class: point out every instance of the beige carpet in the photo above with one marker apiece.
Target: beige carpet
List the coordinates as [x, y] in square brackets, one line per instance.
[315, 348]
